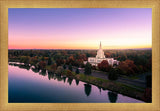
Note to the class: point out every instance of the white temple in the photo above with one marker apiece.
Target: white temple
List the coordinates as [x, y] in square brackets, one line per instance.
[100, 57]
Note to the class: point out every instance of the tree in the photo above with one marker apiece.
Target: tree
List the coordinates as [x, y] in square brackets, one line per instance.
[54, 67]
[24, 59]
[88, 69]
[70, 67]
[34, 60]
[42, 58]
[64, 66]
[77, 71]
[113, 74]
[104, 66]
[49, 61]
[59, 70]
[42, 64]
[69, 73]
[128, 67]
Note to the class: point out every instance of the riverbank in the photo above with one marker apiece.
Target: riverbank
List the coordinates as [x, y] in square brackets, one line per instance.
[114, 86]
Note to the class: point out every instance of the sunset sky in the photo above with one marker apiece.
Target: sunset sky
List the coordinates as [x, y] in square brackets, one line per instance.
[74, 28]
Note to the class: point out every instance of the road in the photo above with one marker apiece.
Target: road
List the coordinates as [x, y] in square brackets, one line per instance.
[137, 82]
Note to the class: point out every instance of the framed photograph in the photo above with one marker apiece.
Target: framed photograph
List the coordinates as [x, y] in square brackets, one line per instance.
[79, 55]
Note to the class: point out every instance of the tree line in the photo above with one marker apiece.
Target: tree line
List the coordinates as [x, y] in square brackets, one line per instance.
[131, 61]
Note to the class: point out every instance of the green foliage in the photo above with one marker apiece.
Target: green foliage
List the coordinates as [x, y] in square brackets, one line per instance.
[64, 66]
[24, 59]
[77, 71]
[59, 70]
[69, 73]
[49, 61]
[113, 74]
[70, 67]
[88, 69]
[142, 59]
[42, 58]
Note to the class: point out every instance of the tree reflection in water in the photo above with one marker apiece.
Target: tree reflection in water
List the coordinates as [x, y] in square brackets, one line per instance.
[77, 82]
[64, 79]
[26, 66]
[70, 80]
[50, 75]
[99, 89]
[35, 70]
[112, 97]
[59, 78]
[87, 89]
[43, 72]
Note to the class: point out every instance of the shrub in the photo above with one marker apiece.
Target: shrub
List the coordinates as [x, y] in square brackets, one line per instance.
[77, 71]
[88, 69]
[113, 74]
[64, 66]
[69, 73]
[59, 70]
[70, 67]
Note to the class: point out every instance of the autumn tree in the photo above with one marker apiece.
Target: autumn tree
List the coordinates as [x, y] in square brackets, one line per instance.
[42, 64]
[54, 67]
[34, 60]
[104, 66]
[128, 67]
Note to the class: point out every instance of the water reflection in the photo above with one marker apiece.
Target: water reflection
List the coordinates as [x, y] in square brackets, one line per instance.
[21, 65]
[77, 82]
[112, 97]
[99, 89]
[77, 91]
[50, 75]
[59, 77]
[43, 72]
[24, 67]
[35, 70]
[64, 79]
[70, 80]
[87, 89]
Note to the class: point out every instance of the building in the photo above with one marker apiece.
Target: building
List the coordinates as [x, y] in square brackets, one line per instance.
[94, 61]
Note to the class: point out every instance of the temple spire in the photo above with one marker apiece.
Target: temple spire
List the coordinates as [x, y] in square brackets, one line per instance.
[100, 45]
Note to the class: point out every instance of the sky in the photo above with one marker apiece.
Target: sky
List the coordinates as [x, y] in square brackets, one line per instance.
[79, 28]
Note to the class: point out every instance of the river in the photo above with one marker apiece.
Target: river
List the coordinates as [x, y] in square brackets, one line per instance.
[27, 85]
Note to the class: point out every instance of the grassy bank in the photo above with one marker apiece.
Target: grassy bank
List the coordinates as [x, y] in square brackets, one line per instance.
[114, 86]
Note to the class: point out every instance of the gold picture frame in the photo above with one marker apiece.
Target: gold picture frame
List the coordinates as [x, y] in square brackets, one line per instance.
[5, 4]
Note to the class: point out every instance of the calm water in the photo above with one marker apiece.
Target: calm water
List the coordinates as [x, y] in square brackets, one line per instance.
[29, 85]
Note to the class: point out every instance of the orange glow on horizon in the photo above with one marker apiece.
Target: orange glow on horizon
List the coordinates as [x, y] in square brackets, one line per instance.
[76, 47]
